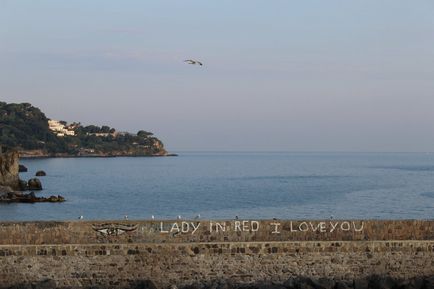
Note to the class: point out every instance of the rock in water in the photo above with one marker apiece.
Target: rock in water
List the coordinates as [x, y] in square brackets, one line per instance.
[22, 185]
[40, 174]
[22, 169]
[9, 168]
[19, 197]
[34, 184]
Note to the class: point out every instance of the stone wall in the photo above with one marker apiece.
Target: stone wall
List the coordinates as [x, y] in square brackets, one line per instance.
[116, 254]
[182, 231]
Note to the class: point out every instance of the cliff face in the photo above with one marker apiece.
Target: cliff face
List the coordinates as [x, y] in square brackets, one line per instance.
[9, 163]
[157, 148]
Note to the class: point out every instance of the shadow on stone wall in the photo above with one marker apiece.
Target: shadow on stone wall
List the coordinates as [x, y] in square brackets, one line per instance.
[371, 282]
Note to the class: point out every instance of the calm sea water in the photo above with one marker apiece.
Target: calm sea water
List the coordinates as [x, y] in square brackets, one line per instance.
[225, 185]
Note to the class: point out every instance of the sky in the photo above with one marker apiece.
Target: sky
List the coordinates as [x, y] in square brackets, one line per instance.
[277, 76]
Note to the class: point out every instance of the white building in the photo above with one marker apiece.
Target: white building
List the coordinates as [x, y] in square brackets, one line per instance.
[58, 128]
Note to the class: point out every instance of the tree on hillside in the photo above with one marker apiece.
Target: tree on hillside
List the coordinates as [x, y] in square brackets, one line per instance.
[144, 134]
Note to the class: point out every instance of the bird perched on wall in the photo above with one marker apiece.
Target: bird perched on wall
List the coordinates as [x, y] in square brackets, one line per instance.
[193, 62]
[197, 217]
[126, 217]
[152, 217]
[179, 217]
[80, 218]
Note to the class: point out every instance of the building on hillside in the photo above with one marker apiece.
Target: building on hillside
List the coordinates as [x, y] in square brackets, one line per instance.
[59, 129]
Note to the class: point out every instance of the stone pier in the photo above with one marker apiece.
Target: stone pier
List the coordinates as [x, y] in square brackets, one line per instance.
[116, 254]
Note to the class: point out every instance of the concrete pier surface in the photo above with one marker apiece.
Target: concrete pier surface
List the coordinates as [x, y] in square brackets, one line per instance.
[119, 254]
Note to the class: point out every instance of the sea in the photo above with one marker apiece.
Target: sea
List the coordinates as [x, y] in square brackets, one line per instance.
[229, 185]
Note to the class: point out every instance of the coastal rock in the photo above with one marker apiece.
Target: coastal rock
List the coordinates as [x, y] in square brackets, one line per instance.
[19, 197]
[9, 168]
[34, 184]
[22, 185]
[40, 174]
[56, 199]
[5, 190]
[22, 169]
[157, 147]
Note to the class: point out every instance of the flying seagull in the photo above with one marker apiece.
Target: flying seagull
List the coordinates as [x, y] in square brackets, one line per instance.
[193, 62]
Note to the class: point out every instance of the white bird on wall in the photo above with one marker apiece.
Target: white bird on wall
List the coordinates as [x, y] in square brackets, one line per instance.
[179, 217]
[126, 217]
[152, 217]
[80, 218]
[193, 62]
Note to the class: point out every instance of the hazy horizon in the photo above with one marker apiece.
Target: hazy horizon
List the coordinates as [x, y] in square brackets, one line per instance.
[278, 76]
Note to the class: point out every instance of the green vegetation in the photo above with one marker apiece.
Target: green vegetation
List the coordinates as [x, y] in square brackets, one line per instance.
[26, 128]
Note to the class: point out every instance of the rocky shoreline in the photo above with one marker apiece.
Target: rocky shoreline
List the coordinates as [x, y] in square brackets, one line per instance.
[40, 154]
[12, 188]
[20, 197]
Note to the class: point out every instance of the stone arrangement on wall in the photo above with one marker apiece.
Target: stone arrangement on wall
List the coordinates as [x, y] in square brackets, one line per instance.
[217, 254]
[187, 231]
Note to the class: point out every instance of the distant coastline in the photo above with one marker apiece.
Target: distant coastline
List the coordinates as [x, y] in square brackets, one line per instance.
[26, 129]
[24, 155]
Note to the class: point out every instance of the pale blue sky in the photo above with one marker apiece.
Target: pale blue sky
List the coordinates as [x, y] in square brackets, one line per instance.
[278, 75]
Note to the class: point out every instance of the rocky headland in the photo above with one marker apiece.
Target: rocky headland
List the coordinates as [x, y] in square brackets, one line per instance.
[27, 129]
